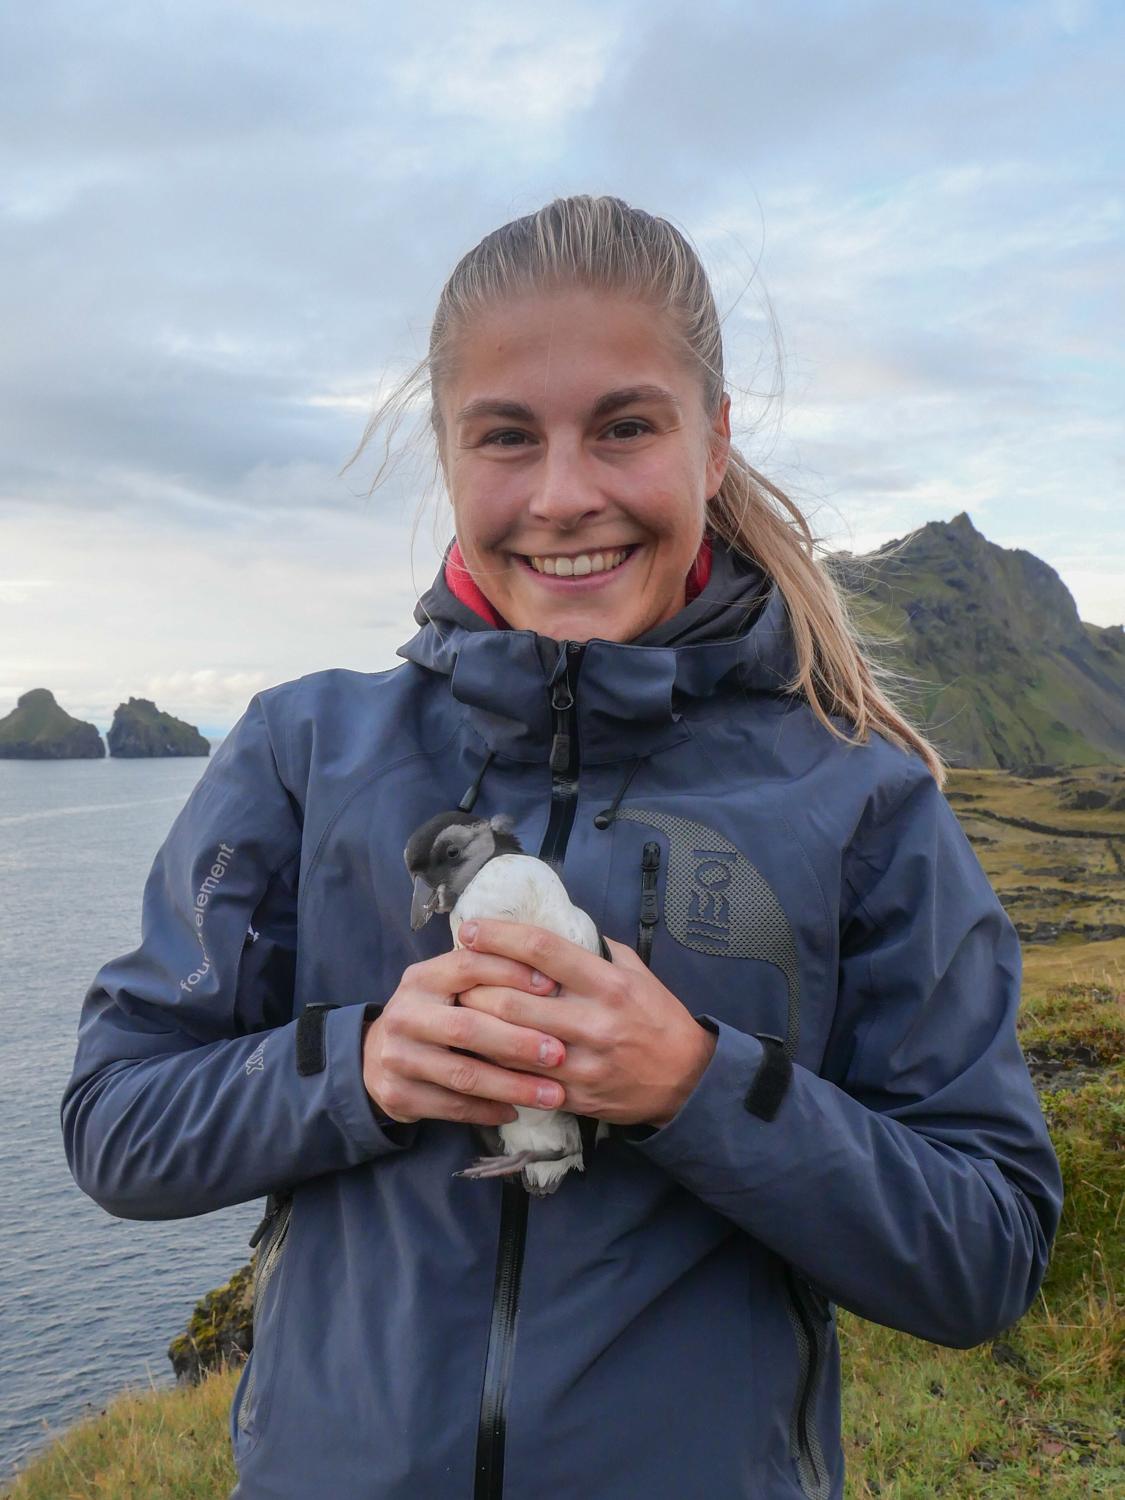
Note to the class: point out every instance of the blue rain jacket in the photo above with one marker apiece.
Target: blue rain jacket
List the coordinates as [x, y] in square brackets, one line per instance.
[866, 1134]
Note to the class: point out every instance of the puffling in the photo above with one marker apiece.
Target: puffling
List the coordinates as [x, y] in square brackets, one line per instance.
[475, 867]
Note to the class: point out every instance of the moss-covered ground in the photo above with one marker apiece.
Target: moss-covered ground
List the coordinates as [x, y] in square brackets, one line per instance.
[1040, 1411]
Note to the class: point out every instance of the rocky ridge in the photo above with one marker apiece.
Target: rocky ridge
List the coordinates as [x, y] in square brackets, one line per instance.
[1002, 672]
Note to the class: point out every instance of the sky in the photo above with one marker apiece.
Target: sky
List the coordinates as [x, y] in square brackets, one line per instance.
[224, 228]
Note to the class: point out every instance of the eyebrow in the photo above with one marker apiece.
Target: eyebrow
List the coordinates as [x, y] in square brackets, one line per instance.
[516, 411]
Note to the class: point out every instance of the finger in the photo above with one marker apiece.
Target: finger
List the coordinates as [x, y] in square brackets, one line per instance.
[476, 1029]
[541, 950]
[566, 1020]
[427, 1101]
[474, 1076]
[622, 954]
[450, 973]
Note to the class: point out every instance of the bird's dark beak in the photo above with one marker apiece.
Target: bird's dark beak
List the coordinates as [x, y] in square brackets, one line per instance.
[424, 903]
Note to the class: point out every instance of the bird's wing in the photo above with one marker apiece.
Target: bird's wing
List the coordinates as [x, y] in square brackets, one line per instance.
[520, 888]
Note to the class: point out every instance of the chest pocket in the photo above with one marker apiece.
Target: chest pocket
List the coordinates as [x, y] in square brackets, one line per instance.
[716, 902]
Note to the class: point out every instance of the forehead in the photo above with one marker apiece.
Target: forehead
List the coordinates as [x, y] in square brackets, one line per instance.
[563, 345]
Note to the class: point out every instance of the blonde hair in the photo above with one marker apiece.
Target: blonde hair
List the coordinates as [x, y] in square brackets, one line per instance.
[601, 243]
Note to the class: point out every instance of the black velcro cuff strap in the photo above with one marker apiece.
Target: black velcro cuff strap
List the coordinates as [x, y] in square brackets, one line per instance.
[310, 1038]
[764, 1096]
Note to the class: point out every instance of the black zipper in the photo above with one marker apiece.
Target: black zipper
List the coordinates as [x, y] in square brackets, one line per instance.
[807, 1449]
[513, 1204]
[564, 760]
[650, 864]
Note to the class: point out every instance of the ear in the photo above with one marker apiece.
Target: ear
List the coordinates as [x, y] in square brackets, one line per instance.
[718, 446]
[501, 823]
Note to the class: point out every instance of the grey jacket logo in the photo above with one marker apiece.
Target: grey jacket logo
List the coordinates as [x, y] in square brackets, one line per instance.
[715, 901]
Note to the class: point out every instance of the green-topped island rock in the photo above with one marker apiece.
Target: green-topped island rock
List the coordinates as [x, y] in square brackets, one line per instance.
[38, 729]
[141, 730]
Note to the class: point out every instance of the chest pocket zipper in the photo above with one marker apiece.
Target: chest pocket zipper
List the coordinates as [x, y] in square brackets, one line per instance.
[272, 1232]
[650, 913]
[809, 1316]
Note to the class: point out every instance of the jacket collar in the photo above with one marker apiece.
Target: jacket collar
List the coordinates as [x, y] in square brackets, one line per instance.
[630, 695]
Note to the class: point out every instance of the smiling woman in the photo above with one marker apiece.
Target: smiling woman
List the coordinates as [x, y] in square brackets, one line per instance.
[792, 1057]
[576, 389]
[582, 514]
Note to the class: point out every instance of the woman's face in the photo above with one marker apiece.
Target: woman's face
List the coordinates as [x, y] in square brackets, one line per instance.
[574, 434]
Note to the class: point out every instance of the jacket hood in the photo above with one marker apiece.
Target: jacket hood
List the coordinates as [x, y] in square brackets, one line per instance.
[734, 634]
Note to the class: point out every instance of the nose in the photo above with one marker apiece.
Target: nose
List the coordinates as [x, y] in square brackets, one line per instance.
[565, 492]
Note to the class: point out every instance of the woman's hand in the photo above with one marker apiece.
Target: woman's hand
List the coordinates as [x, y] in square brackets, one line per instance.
[633, 1051]
[412, 1068]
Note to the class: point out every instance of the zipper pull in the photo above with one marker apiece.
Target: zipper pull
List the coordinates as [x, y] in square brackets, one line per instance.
[560, 754]
[650, 912]
[650, 863]
[273, 1208]
[562, 701]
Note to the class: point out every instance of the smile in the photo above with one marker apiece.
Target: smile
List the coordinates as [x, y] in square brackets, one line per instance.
[581, 565]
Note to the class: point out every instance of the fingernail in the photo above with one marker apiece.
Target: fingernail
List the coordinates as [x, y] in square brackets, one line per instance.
[548, 1094]
[549, 1052]
[468, 932]
[537, 978]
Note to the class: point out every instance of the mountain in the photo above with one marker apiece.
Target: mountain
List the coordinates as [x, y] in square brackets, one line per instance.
[1002, 671]
[38, 729]
[140, 729]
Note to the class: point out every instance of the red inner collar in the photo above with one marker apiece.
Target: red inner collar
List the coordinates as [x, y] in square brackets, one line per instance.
[462, 586]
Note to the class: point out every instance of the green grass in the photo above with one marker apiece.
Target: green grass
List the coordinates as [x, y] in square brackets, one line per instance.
[1039, 1411]
[145, 1445]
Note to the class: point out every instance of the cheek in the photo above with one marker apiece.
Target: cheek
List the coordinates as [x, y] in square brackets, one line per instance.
[483, 511]
[671, 500]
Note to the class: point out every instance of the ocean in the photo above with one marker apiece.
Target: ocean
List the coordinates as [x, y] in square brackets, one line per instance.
[88, 1303]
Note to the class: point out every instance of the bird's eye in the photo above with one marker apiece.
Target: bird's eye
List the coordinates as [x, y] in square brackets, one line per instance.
[451, 853]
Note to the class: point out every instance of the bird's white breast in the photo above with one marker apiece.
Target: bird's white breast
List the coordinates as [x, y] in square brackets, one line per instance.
[519, 888]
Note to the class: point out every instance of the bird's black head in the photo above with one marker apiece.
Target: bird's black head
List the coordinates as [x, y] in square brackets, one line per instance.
[444, 854]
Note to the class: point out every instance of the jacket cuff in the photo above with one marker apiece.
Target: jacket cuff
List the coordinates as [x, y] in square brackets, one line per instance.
[347, 1095]
[728, 1079]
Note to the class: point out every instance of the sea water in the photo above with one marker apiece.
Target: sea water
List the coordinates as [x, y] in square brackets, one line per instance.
[88, 1302]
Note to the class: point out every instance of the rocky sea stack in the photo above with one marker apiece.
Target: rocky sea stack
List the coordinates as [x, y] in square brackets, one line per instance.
[38, 729]
[141, 730]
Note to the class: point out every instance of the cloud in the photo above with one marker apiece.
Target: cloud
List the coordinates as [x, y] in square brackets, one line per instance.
[223, 231]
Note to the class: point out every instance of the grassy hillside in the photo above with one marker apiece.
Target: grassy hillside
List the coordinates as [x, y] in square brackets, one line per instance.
[1037, 1412]
[1004, 673]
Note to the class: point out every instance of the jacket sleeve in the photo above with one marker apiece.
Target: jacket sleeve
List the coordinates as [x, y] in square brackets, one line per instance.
[921, 1190]
[185, 1094]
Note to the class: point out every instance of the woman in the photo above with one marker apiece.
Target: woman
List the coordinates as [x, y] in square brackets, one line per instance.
[804, 1039]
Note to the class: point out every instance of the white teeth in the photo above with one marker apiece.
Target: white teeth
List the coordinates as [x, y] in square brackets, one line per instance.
[581, 566]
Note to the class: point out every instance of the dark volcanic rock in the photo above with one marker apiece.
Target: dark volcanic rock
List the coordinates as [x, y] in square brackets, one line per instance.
[140, 730]
[1105, 790]
[38, 729]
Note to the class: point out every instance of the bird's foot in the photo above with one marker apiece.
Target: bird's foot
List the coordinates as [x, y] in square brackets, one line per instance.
[507, 1166]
